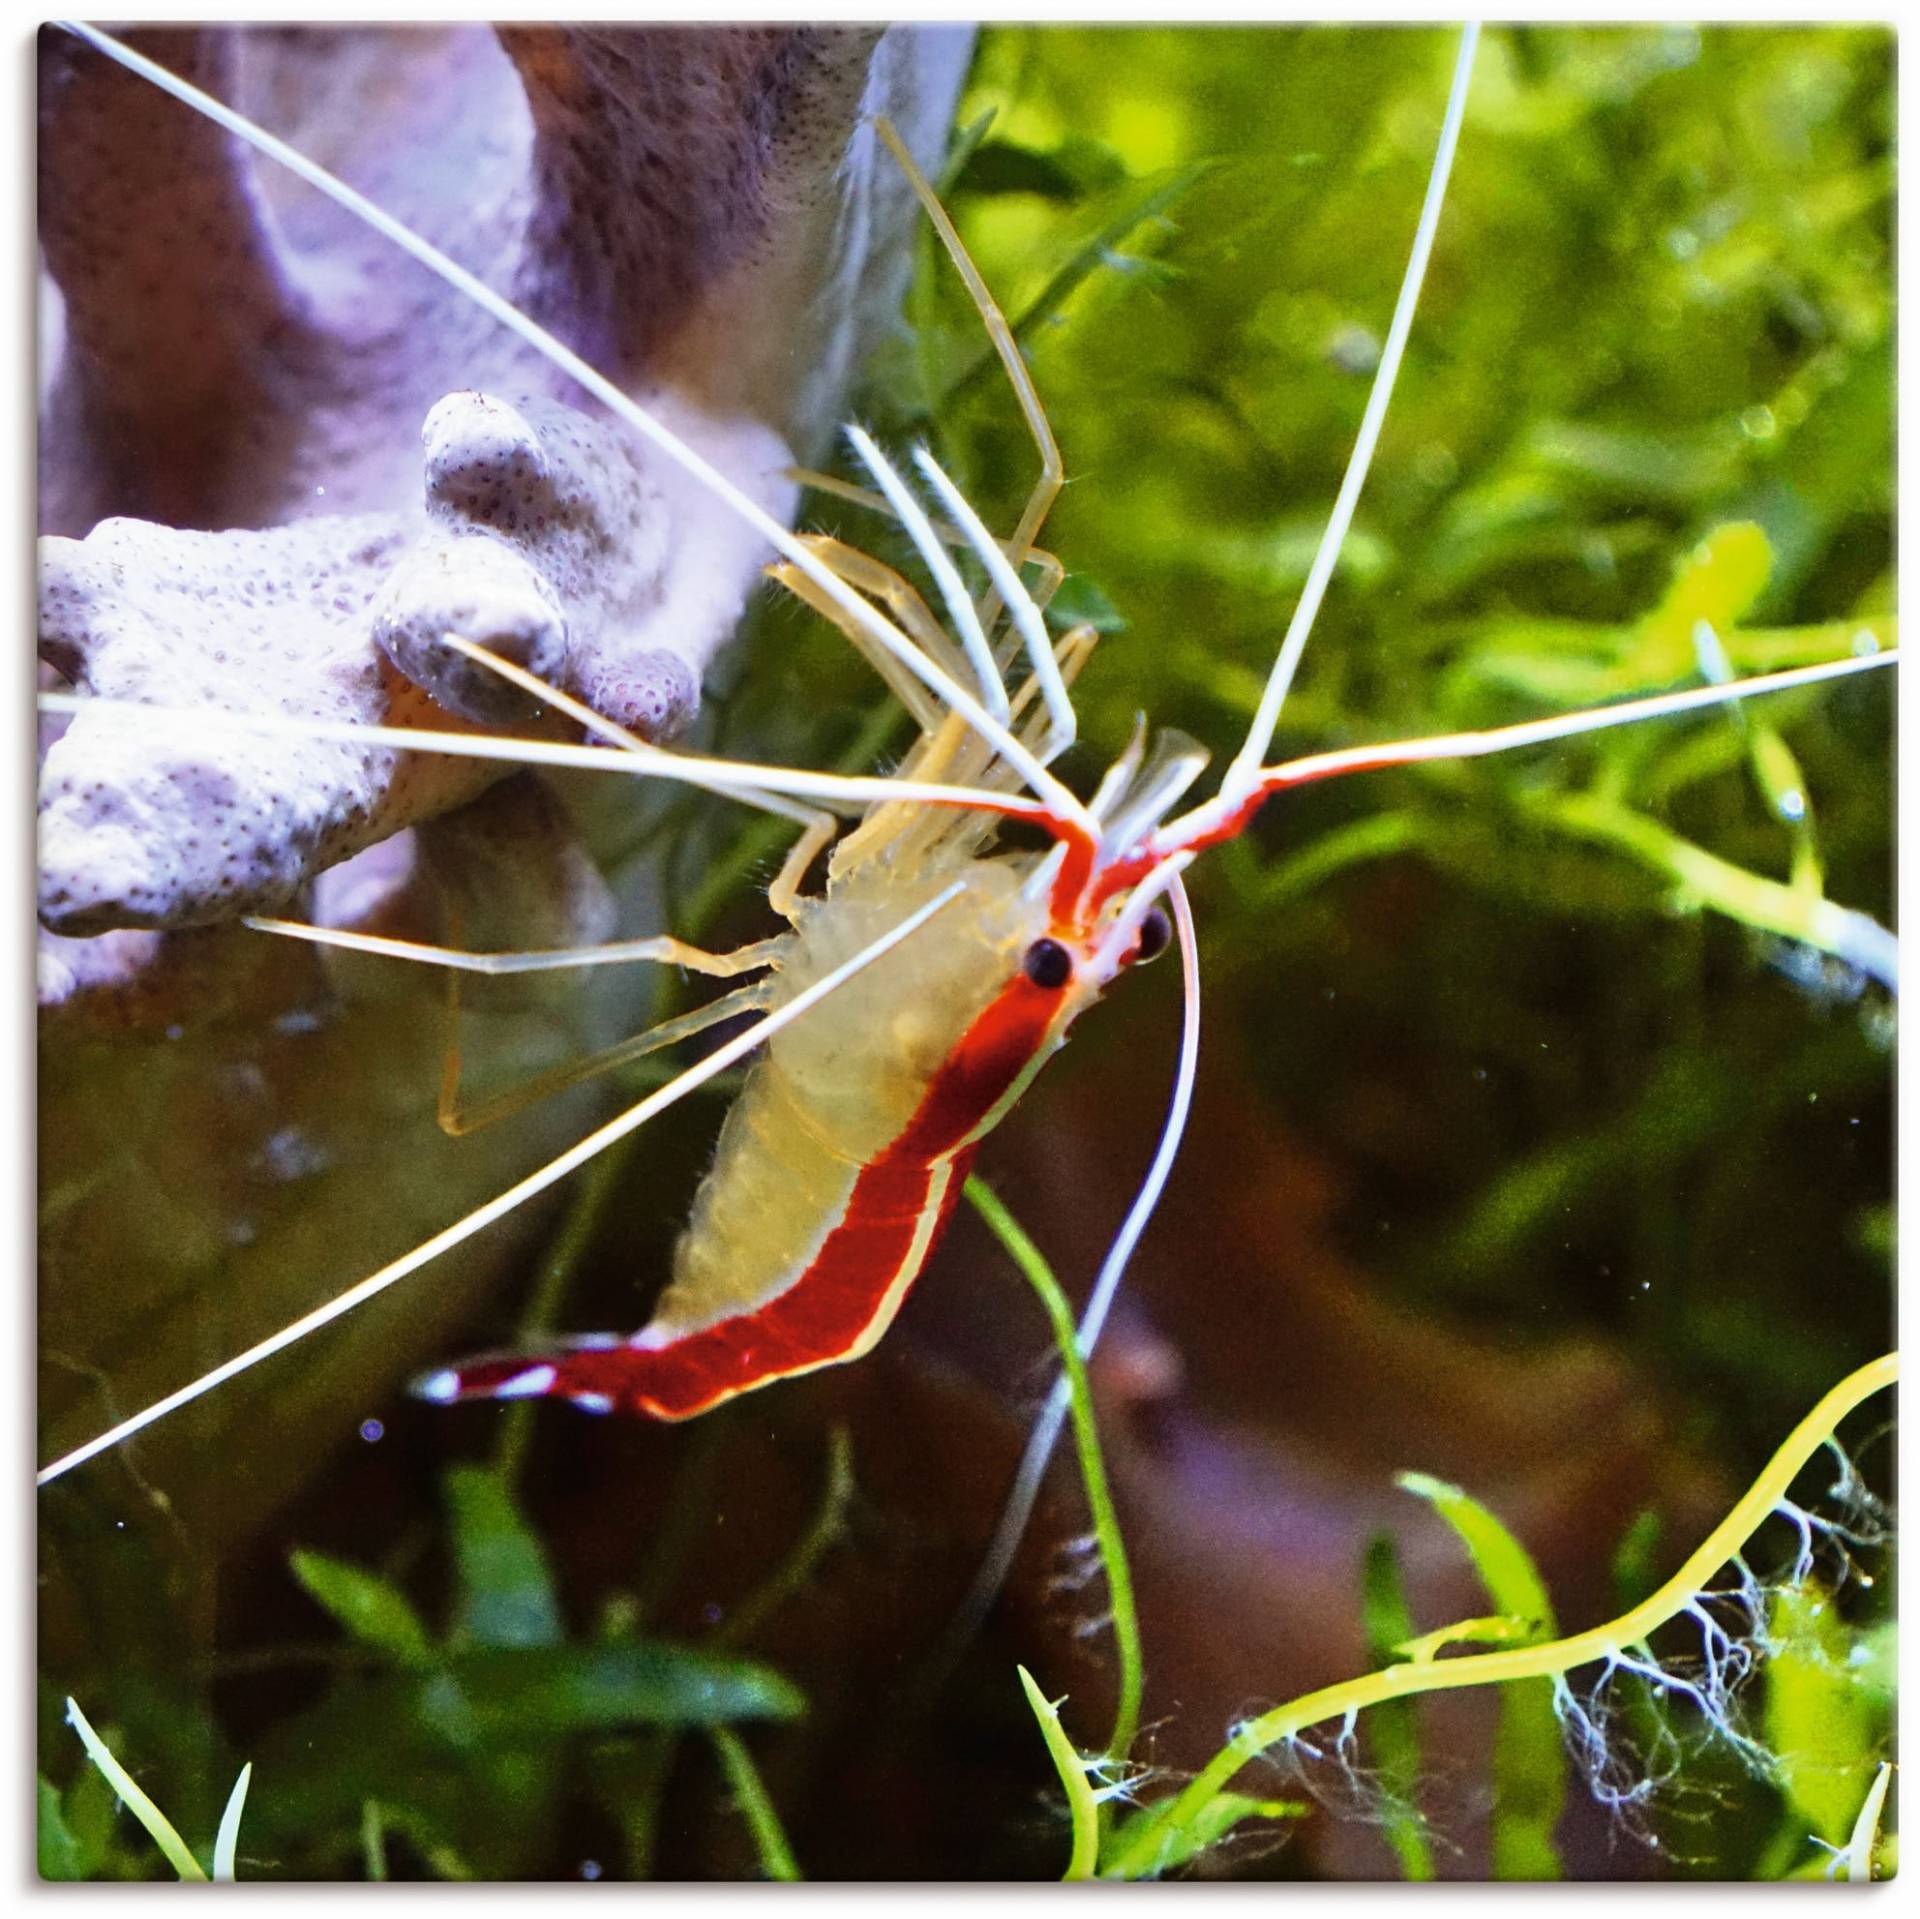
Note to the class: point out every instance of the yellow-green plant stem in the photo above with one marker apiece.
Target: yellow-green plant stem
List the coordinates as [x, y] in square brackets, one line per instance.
[1767, 905]
[769, 1838]
[1548, 1661]
[1093, 1471]
[1082, 1808]
[158, 1825]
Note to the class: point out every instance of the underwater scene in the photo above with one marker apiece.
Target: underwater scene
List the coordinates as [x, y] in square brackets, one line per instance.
[966, 954]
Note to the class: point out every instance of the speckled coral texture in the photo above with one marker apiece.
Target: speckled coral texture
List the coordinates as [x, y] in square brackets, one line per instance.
[280, 459]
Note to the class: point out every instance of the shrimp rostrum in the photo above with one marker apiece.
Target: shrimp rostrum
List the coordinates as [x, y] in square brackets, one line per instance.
[916, 994]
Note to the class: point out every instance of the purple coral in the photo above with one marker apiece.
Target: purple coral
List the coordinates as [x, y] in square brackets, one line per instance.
[701, 212]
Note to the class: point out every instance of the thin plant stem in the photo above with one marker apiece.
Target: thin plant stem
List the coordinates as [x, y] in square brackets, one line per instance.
[1549, 1661]
[811, 1547]
[1082, 1809]
[1093, 1471]
[750, 1792]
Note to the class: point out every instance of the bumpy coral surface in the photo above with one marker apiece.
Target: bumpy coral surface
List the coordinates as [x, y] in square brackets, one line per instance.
[241, 373]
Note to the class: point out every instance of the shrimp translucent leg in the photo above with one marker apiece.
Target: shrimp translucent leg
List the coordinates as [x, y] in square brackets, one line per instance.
[906, 606]
[660, 949]
[1052, 472]
[458, 1117]
[1047, 565]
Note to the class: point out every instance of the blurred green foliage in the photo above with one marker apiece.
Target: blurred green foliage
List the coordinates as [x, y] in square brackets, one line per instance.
[1566, 1020]
[1616, 1000]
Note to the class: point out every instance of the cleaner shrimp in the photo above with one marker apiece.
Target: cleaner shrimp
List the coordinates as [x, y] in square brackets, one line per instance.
[913, 1000]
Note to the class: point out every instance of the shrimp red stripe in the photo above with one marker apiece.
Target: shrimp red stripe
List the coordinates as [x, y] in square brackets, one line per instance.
[848, 1293]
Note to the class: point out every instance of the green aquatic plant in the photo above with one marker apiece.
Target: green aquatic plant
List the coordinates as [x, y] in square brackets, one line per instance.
[64, 1854]
[1168, 1830]
[1597, 989]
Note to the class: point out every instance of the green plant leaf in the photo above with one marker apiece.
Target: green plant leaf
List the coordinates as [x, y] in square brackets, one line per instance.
[370, 1608]
[750, 1795]
[159, 1828]
[1823, 1724]
[1393, 1731]
[998, 166]
[1506, 1569]
[514, 1694]
[60, 1853]
[1529, 1756]
[506, 1595]
[226, 1842]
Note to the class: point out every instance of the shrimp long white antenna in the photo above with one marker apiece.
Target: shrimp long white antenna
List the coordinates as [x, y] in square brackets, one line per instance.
[1221, 816]
[1046, 1428]
[1243, 773]
[1060, 800]
[1020, 603]
[484, 1216]
[946, 575]
[733, 778]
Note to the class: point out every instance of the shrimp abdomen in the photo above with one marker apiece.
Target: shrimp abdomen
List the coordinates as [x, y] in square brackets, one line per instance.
[798, 1255]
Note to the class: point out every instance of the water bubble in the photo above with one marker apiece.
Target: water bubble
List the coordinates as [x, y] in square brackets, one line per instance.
[372, 1431]
[1758, 423]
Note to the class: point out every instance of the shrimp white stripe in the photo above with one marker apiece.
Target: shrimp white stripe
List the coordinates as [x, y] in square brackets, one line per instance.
[960, 609]
[1244, 774]
[481, 1217]
[1020, 603]
[1059, 799]
[732, 778]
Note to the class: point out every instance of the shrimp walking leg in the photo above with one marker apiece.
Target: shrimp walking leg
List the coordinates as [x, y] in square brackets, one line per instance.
[1052, 471]
[662, 949]
[1047, 565]
[458, 1117]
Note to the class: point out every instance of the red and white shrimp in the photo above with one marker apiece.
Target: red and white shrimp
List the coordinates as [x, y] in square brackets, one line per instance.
[915, 998]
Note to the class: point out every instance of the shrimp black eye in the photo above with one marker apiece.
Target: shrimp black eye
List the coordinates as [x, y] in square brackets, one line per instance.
[1048, 964]
[1155, 931]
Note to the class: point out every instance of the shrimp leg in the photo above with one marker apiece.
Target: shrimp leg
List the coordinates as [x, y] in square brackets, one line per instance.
[1053, 473]
[458, 1117]
[1047, 565]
